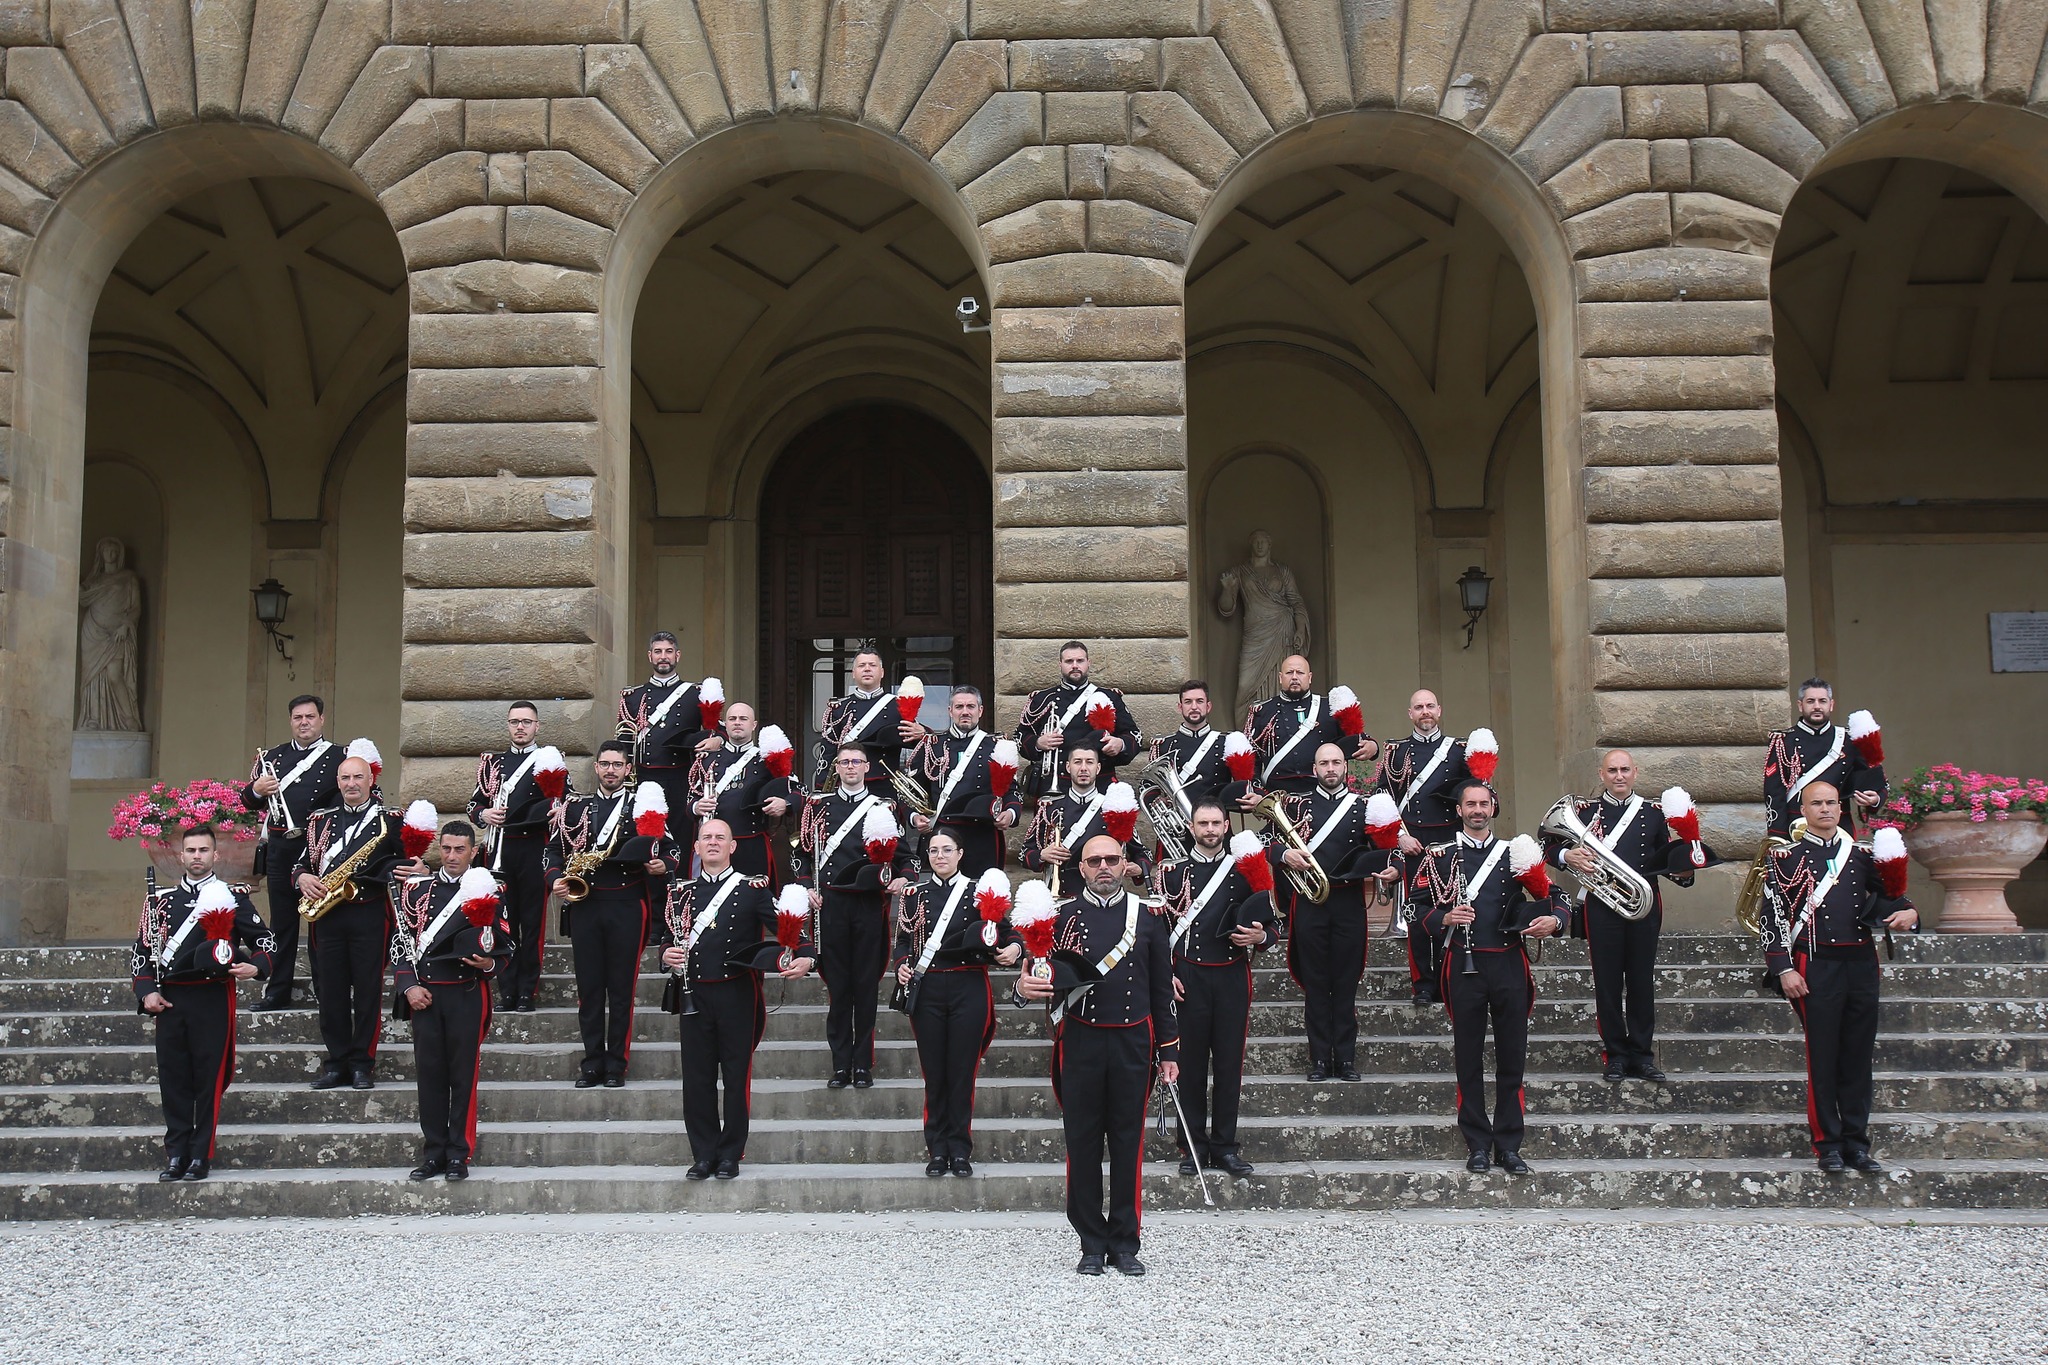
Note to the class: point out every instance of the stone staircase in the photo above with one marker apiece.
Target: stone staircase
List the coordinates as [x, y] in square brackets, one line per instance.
[1962, 1099]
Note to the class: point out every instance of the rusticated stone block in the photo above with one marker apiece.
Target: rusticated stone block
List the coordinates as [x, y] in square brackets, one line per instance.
[1668, 57]
[1114, 660]
[1782, 64]
[1122, 498]
[1654, 111]
[535, 71]
[466, 234]
[1671, 164]
[426, 130]
[1901, 37]
[1841, 42]
[1092, 554]
[516, 286]
[1085, 64]
[92, 35]
[673, 39]
[1691, 660]
[492, 559]
[1683, 437]
[1688, 328]
[32, 153]
[1169, 125]
[738, 36]
[1712, 773]
[348, 33]
[526, 449]
[1682, 493]
[918, 40]
[1635, 222]
[625, 80]
[1250, 35]
[1144, 175]
[1609, 171]
[593, 132]
[458, 672]
[508, 21]
[1005, 123]
[435, 616]
[1087, 171]
[1664, 273]
[461, 730]
[441, 186]
[561, 394]
[1103, 280]
[1050, 610]
[1042, 229]
[2013, 52]
[1085, 18]
[1583, 118]
[1700, 549]
[1109, 388]
[534, 232]
[22, 210]
[1679, 382]
[505, 125]
[1097, 116]
[1198, 70]
[567, 182]
[1072, 334]
[1662, 606]
[1022, 178]
[219, 53]
[1551, 65]
[1718, 223]
[462, 341]
[968, 75]
[1133, 229]
[445, 781]
[43, 80]
[1747, 113]
[501, 503]
[1658, 14]
[1028, 444]
[388, 84]
[278, 38]
[505, 177]
[1687, 717]
[24, 23]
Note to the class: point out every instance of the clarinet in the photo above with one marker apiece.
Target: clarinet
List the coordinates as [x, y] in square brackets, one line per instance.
[1458, 898]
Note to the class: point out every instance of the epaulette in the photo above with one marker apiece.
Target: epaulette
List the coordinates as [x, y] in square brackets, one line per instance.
[1445, 847]
[1788, 849]
[324, 810]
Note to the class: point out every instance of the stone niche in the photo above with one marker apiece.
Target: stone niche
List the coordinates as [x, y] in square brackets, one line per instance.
[1259, 490]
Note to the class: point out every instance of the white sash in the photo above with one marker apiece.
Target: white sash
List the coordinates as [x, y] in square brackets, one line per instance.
[1107, 965]
[504, 798]
[938, 930]
[1201, 902]
[1068, 835]
[1088, 694]
[1186, 772]
[731, 774]
[1315, 715]
[1821, 889]
[341, 845]
[1336, 819]
[425, 942]
[1443, 751]
[661, 712]
[1628, 814]
[1835, 752]
[861, 728]
[1478, 878]
[604, 836]
[320, 746]
[177, 940]
[953, 778]
[703, 918]
[860, 810]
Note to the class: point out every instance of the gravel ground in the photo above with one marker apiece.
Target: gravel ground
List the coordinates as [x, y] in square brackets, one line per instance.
[853, 1288]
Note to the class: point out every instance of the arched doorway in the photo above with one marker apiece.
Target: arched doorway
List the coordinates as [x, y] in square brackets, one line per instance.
[875, 530]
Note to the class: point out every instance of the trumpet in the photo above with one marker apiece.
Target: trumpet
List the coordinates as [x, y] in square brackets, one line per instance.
[1311, 883]
[1749, 902]
[276, 813]
[1612, 882]
[1166, 805]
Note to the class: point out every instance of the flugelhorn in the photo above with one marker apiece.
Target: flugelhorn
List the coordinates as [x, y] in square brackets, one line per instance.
[1311, 883]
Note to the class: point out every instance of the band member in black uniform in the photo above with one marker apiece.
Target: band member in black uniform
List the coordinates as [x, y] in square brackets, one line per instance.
[946, 938]
[719, 935]
[740, 785]
[1326, 943]
[666, 722]
[869, 717]
[607, 928]
[1289, 727]
[1423, 773]
[1814, 749]
[290, 781]
[961, 769]
[452, 938]
[352, 942]
[1220, 903]
[1823, 899]
[1113, 1021]
[1622, 951]
[195, 941]
[1472, 891]
[1195, 750]
[1074, 711]
[850, 892]
[1062, 822]
[514, 797]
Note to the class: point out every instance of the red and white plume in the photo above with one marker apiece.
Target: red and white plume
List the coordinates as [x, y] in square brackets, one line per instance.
[792, 912]
[992, 896]
[1240, 757]
[215, 906]
[880, 833]
[477, 894]
[422, 823]
[1867, 737]
[650, 810]
[1102, 716]
[1888, 850]
[1033, 918]
[1344, 707]
[1250, 856]
[1382, 820]
[778, 755]
[710, 702]
[1525, 861]
[1002, 767]
[1482, 753]
[910, 696]
[550, 772]
[1682, 818]
[1120, 812]
[366, 751]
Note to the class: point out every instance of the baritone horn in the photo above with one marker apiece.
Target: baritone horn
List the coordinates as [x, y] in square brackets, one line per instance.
[1749, 902]
[1612, 882]
[1311, 883]
[1166, 805]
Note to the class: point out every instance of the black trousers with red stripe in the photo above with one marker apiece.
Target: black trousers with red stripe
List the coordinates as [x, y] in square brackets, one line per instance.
[853, 948]
[1623, 954]
[351, 945]
[981, 845]
[1215, 1017]
[447, 1046]
[526, 911]
[718, 1042]
[1103, 1079]
[1840, 1012]
[607, 933]
[1326, 957]
[954, 1022]
[195, 1057]
[1501, 991]
[281, 855]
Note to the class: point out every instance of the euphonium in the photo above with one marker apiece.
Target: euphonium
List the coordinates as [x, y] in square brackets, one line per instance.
[1166, 805]
[1612, 882]
[339, 884]
[1311, 883]
[1749, 902]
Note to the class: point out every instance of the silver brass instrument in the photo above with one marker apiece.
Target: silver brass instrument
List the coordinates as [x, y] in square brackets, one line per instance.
[1311, 883]
[1749, 902]
[1165, 803]
[1612, 882]
[277, 815]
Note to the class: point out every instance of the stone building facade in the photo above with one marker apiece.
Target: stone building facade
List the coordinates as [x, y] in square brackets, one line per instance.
[502, 330]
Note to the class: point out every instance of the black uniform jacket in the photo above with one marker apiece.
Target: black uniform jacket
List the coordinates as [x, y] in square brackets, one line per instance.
[670, 744]
[962, 946]
[1233, 905]
[1851, 912]
[1137, 990]
[194, 961]
[1503, 904]
[1435, 804]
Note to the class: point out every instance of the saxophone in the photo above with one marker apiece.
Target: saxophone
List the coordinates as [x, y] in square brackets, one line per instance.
[581, 866]
[339, 883]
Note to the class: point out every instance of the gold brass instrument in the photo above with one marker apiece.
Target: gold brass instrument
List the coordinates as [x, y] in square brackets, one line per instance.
[1311, 883]
[1749, 902]
[911, 793]
[1612, 882]
[582, 865]
[1052, 883]
[339, 884]
[1165, 803]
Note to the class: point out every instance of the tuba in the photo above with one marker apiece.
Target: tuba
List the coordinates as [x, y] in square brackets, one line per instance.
[1612, 882]
[1165, 803]
[1311, 883]
[1749, 902]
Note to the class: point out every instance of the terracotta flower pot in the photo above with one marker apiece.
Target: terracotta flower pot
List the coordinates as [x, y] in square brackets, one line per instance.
[1973, 862]
[234, 860]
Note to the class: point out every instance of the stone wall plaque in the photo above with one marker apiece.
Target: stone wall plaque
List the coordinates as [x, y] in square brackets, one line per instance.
[2019, 642]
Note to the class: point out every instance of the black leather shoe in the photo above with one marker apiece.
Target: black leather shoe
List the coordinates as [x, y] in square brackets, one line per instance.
[585, 1082]
[1478, 1163]
[1648, 1071]
[1424, 999]
[1512, 1162]
[962, 1166]
[727, 1170]
[1091, 1263]
[700, 1170]
[175, 1170]
[1614, 1072]
[330, 1078]
[458, 1170]
[1234, 1165]
[1832, 1163]
[365, 1079]
[267, 1005]
[863, 1080]
[1348, 1073]
[840, 1080]
[615, 1082]
[1188, 1166]
[197, 1170]
[523, 1007]
[1318, 1073]
[1864, 1162]
[427, 1170]
[1126, 1263]
[938, 1165]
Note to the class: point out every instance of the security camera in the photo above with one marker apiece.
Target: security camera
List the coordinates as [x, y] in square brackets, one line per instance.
[967, 310]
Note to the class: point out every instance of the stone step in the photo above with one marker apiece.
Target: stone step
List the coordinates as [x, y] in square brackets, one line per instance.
[797, 1023]
[274, 1103]
[1435, 1185]
[1020, 1055]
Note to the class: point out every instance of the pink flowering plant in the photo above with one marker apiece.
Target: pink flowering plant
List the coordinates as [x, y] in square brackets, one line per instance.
[1946, 789]
[160, 812]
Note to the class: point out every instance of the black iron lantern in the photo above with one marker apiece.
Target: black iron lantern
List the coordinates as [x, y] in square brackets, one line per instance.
[1474, 590]
[272, 598]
